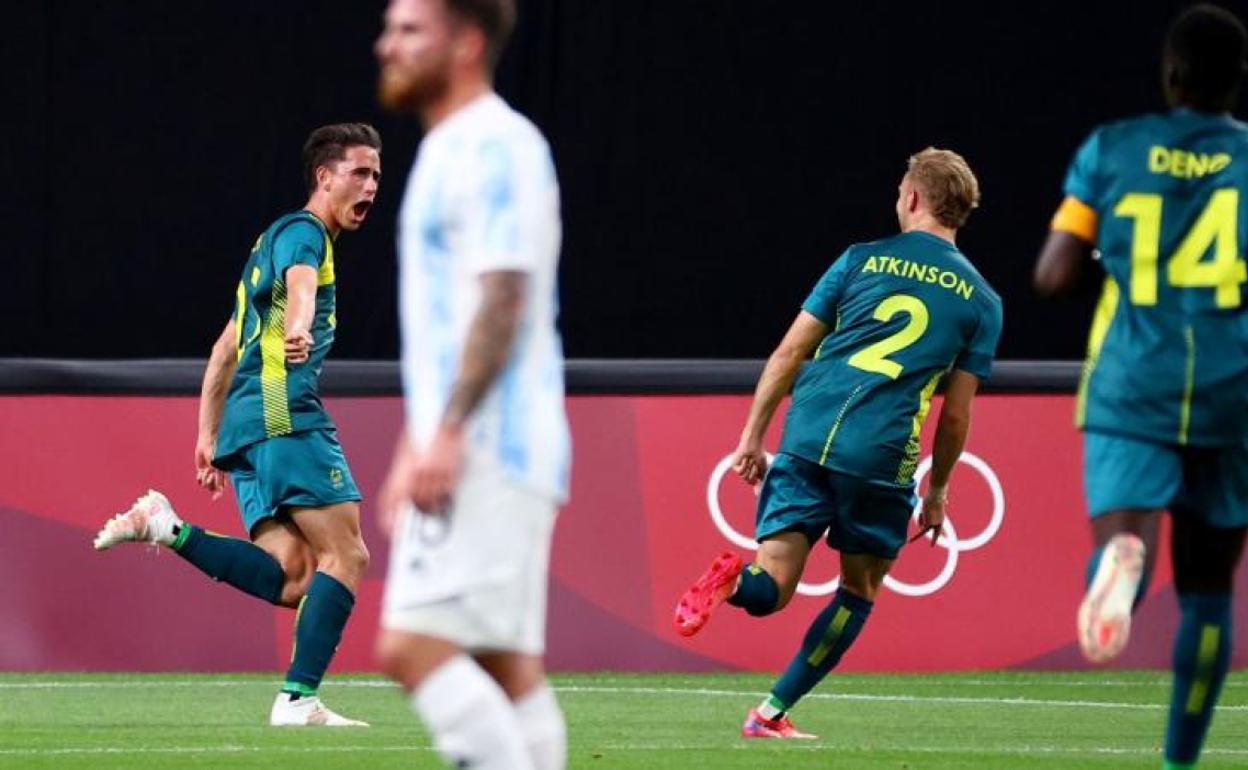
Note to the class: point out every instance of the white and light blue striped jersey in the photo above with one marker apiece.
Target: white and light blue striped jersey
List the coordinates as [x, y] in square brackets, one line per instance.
[483, 197]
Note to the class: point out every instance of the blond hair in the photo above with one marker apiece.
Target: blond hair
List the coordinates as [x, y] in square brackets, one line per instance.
[946, 183]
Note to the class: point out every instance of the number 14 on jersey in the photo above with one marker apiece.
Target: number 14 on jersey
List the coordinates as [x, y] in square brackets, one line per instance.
[1216, 226]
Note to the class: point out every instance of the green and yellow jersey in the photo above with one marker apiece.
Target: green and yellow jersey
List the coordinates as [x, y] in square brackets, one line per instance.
[904, 310]
[269, 397]
[1162, 198]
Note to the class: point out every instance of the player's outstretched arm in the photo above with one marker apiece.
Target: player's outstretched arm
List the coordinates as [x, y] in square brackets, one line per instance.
[217, 377]
[750, 461]
[487, 348]
[951, 431]
[300, 312]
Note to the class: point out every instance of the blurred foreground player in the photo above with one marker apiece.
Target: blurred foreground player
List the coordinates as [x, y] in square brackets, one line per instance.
[484, 454]
[886, 323]
[262, 422]
[1163, 403]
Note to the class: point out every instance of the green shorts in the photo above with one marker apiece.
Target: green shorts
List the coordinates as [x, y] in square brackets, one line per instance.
[1124, 473]
[301, 470]
[860, 516]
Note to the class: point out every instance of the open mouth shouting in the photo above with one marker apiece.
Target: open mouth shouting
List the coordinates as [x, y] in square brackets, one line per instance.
[360, 210]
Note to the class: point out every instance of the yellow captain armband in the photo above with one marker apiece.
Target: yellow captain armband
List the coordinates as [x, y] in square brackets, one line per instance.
[1077, 218]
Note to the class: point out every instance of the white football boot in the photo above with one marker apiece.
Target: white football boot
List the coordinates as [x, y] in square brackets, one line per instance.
[308, 711]
[150, 520]
[1105, 615]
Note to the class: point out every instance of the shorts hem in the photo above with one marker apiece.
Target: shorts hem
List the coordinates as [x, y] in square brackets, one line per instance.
[311, 502]
[1102, 510]
[762, 535]
[472, 643]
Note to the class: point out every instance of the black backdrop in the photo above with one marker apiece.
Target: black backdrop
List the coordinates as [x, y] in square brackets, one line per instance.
[715, 155]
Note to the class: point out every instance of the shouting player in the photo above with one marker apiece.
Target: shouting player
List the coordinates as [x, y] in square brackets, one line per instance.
[262, 422]
[484, 455]
[887, 322]
[1163, 403]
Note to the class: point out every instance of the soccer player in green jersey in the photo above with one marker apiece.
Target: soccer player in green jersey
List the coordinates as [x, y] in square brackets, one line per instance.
[1163, 402]
[261, 421]
[887, 322]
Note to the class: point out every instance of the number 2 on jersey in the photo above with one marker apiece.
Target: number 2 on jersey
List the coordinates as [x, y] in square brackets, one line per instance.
[874, 357]
[1216, 226]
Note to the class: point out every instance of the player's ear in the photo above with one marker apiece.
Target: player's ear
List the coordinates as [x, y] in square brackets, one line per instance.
[471, 44]
[323, 174]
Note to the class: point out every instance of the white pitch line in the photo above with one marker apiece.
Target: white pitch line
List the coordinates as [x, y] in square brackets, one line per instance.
[34, 685]
[856, 680]
[130, 683]
[887, 698]
[698, 692]
[226, 749]
[576, 750]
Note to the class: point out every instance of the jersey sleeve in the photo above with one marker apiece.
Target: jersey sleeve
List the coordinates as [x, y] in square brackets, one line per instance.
[1083, 176]
[977, 358]
[501, 187]
[299, 243]
[827, 293]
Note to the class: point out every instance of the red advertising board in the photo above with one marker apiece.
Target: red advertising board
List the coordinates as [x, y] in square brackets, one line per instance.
[651, 504]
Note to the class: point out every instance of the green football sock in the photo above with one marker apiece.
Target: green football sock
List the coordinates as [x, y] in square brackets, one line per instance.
[835, 628]
[323, 614]
[240, 563]
[1202, 655]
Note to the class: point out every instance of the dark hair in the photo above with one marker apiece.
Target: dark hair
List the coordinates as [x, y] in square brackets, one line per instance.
[495, 19]
[329, 143]
[1207, 46]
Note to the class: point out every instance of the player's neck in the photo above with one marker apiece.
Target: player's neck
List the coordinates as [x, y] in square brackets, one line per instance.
[930, 226]
[319, 208]
[460, 92]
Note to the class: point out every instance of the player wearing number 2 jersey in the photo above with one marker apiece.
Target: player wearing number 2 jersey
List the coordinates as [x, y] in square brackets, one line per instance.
[1163, 401]
[888, 321]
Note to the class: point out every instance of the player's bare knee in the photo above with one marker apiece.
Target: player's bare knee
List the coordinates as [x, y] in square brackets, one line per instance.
[517, 674]
[292, 594]
[408, 659]
[862, 586]
[362, 557]
[297, 568]
[351, 558]
[390, 658]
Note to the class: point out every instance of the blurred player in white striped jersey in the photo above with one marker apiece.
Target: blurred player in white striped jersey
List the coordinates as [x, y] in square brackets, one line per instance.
[483, 460]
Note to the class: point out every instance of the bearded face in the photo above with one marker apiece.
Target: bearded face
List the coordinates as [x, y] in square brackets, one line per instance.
[414, 53]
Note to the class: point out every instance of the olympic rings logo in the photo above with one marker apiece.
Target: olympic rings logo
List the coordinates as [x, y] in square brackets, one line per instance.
[949, 540]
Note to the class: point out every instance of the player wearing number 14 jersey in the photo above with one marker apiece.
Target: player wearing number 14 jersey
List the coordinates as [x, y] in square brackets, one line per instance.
[1163, 402]
[884, 325]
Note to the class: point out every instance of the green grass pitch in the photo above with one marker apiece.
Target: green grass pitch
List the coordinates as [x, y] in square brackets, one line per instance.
[980, 720]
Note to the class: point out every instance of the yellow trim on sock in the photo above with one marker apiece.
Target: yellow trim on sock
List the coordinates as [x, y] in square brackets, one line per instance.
[294, 644]
[830, 636]
[1206, 656]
